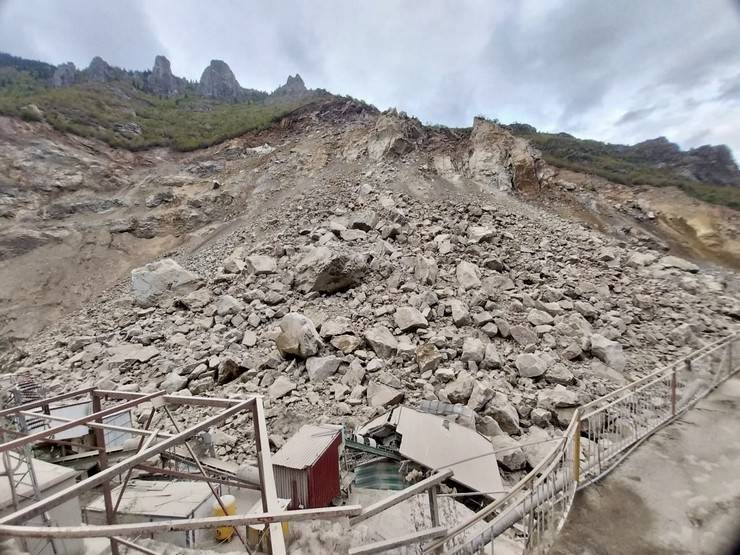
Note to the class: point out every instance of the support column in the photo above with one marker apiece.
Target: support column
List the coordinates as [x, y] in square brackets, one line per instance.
[99, 441]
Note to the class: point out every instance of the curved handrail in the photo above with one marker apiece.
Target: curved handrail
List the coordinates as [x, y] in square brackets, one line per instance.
[557, 467]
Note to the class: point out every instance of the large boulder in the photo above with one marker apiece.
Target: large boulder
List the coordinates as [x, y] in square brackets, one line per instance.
[409, 319]
[298, 336]
[460, 390]
[608, 351]
[260, 264]
[152, 282]
[425, 270]
[381, 395]
[467, 275]
[508, 452]
[320, 368]
[531, 365]
[504, 413]
[382, 341]
[327, 271]
[473, 350]
[428, 357]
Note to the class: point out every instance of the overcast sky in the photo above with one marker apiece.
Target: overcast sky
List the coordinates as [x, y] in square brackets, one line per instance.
[621, 71]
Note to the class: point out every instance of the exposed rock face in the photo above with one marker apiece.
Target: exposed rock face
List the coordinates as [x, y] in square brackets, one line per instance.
[64, 75]
[394, 135]
[501, 160]
[161, 81]
[99, 71]
[218, 81]
[294, 86]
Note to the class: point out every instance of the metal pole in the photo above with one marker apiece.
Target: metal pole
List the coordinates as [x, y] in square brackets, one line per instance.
[99, 441]
[267, 478]
[134, 546]
[434, 508]
[673, 392]
[577, 451]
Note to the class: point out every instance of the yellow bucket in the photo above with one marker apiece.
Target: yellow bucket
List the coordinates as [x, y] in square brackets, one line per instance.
[225, 532]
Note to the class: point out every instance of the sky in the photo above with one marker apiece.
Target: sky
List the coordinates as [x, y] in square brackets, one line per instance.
[613, 70]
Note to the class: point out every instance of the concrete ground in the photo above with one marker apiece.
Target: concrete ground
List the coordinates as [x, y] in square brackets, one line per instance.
[678, 493]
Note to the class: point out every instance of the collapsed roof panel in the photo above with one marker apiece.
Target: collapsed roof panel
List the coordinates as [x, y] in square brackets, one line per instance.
[437, 443]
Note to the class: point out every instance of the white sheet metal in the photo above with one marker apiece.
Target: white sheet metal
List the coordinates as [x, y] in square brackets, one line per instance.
[436, 443]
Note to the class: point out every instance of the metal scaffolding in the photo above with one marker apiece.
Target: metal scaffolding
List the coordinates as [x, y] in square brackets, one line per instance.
[151, 442]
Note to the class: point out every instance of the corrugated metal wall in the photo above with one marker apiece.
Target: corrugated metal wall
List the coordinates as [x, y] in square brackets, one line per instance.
[323, 479]
[292, 484]
[314, 486]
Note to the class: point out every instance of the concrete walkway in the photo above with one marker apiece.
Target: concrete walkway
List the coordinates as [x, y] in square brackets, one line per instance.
[678, 493]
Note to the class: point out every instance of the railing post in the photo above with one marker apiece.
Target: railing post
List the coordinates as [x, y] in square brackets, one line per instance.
[673, 392]
[730, 366]
[577, 450]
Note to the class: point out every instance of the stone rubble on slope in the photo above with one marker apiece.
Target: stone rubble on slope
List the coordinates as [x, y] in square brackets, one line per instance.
[467, 298]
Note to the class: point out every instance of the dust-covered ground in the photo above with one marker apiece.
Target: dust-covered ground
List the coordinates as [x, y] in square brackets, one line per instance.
[678, 493]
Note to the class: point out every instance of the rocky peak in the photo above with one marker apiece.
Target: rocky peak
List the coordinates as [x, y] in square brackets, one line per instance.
[64, 75]
[707, 163]
[294, 86]
[218, 81]
[100, 71]
[161, 81]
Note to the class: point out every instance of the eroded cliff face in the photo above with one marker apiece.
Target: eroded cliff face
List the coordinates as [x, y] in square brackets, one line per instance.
[77, 215]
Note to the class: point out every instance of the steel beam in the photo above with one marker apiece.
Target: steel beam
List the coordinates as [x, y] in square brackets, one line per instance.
[97, 479]
[267, 478]
[40, 403]
[15, 443]
[177, 525]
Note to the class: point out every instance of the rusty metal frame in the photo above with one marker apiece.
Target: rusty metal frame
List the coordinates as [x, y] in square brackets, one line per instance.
[151, 443]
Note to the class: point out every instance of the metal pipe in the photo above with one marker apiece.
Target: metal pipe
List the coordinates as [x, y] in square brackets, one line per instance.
[176, 525]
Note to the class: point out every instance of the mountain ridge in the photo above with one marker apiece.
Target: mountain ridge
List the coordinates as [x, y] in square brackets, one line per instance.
[151, 108]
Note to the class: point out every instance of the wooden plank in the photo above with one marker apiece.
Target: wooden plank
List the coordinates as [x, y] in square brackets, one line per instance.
[97, 479]
[267, 478]
[385, 545]
[396, 498]
[177, 525]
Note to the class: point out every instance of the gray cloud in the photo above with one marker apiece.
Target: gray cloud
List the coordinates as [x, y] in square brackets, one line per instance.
[636, 115]
[561, 65]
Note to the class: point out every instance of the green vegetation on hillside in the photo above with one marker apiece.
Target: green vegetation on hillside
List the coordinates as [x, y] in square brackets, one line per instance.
[617, 164]
[122, 115]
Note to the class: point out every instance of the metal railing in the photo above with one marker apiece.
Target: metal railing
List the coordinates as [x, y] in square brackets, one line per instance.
[599, 436]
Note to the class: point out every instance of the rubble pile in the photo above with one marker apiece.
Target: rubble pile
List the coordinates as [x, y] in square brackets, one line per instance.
[363, 297]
